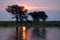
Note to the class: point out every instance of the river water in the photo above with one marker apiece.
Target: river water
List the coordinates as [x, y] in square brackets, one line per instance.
[32, 34]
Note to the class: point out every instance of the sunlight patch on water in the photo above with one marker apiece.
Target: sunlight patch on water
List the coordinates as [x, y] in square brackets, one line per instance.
[24, 33]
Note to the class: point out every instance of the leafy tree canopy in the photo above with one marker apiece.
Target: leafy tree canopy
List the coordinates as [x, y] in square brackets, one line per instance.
[40, 14]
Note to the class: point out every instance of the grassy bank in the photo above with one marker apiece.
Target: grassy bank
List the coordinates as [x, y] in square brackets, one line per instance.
[47, 24]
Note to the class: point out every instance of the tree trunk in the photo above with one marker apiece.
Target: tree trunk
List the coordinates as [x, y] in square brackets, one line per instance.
[17, 19]
[17, 27]
[44, 30]
[16, 33]
[43, 24]
[21, 21]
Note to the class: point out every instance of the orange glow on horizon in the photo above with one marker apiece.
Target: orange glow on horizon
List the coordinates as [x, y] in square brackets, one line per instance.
[31, 7]
[26, 7]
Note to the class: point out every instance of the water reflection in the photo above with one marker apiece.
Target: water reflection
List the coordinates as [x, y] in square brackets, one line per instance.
[39, 32]
[24, 33]
[36, 31]
[30, 34]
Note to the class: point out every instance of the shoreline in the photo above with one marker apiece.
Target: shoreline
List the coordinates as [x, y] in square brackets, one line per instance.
[46, 24]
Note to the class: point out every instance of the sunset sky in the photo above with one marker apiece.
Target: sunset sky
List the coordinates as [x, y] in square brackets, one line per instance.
[51, 7]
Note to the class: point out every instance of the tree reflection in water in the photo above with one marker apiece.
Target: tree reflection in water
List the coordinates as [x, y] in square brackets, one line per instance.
[40, 33]
[25, 34]
[36, 31]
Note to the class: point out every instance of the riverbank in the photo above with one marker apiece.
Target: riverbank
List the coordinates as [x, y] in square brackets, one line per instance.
[46, 24]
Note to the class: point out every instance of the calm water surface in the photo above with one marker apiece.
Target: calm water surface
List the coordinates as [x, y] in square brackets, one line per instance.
[30, 34]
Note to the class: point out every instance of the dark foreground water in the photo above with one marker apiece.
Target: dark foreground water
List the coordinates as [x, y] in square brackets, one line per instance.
[32, 34]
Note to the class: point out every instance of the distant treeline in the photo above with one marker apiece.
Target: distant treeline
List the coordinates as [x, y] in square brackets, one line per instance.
[30, 24]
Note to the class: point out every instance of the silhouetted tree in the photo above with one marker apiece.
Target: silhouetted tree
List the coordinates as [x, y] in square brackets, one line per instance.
[43, 17]
[35, 16]
[19, 12]
[38, 15]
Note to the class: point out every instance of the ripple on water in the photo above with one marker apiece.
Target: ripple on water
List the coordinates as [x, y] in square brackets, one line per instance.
[9, 33]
